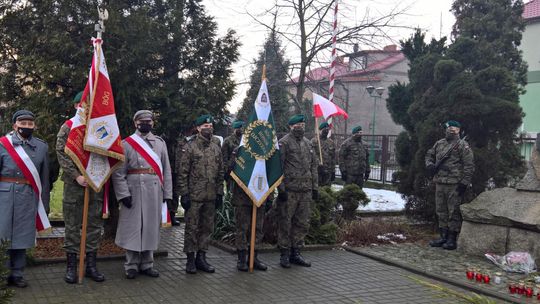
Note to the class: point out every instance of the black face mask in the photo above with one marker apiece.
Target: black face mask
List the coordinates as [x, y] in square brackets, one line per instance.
[207, 132]
[298, 132]
[238, 132]
[25, 132]
[357, 137]
[324, 133]
[144, 127]
[449, 135]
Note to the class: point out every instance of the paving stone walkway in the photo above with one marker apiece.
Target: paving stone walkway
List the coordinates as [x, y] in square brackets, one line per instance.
[336, 276]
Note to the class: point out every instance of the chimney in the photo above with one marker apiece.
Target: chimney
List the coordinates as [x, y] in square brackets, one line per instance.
[390, 48]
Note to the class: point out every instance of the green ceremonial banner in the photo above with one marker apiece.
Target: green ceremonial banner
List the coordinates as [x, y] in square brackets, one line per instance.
[258, 166]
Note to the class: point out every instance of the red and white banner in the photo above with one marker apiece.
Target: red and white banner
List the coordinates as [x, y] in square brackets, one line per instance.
[323, 107]
[155, 162]
[31, 173]
[94, 142]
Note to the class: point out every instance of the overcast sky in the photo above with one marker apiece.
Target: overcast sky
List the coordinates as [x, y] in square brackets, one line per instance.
[431, 15]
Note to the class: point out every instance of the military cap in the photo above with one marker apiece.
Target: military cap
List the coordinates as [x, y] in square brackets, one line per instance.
[323, 125]
[238, 124]
[356, 129]
[23, 115]
[296, 119]
[78, 97]
[452, 123]
[205, 118]
[143, 114]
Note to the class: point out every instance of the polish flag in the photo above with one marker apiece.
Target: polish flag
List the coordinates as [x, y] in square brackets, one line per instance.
[323, 107]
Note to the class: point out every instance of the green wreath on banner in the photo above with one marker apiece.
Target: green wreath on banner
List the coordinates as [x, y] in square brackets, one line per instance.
[259, 140]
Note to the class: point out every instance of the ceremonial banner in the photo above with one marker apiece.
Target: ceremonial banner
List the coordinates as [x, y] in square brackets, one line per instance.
[94, 143]
[257, 168]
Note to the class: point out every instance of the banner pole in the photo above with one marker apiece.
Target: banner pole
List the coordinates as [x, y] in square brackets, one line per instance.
[318, 138]
[82, 249]
[252, 242]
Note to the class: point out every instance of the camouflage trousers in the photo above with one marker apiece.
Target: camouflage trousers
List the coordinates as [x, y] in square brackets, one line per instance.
[293, 219]
[243, 208]
[72, 205]
[199, 225]
[356, 179]
[447, 202]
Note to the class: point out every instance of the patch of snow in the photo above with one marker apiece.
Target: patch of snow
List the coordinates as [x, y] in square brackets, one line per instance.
[380, 200]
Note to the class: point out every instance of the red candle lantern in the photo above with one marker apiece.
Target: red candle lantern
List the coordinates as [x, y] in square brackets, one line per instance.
[529, 292]
[521, 288]
[479, 277]
[470, 274]
[512, 288]
[486, 278]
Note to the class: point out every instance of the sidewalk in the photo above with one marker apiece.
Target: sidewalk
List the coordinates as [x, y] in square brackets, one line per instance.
[336, 276]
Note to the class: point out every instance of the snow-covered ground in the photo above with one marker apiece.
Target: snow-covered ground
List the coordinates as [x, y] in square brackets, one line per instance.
[381, 200]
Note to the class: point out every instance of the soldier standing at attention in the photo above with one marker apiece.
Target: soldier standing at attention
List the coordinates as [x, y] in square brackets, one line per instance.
[201, 191]
[296, 192]
[20, 152]
[354, 159]
[230, 144]
[141, 185]
[72, 206]
[451, 163]
[326, 170]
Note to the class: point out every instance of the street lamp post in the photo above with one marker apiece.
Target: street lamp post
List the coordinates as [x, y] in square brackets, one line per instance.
[379, 92]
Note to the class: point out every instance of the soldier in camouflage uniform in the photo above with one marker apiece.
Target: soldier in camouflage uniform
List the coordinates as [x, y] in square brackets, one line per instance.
[243, 205]
[452, 174]
[72, 205]
[327, 170]
[175, 155]
[354, 159]
[201, 188]
[296, 192]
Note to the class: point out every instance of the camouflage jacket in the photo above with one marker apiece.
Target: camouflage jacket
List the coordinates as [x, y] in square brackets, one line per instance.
[457, 168]
[299, 163]
[229, 145]
[354, 158]
[328, 150]
[69, 169]
[201, 170]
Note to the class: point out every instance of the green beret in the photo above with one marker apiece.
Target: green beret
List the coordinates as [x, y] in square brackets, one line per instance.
[296, 119]
[206, 118]
[143, 114]
[356, 129]
[238, 124]
[323, 125]
[452, 123]
[22, 115]
[78, 97]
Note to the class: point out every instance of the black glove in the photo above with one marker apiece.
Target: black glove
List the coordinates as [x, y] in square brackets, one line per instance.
[169, 202]
[126, 201]
[282, 196]
[185, 201]
[344, 176]
[461, 188]
[268, 205]
[219, 201]
[366, 176]
[320, 169]
[314, 194]
[431, 169]
[333, 177]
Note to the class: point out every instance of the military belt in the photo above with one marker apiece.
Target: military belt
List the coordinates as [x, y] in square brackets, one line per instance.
[142, 171]
[15, 180]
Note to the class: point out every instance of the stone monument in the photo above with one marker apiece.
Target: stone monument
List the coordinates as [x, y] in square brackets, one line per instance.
[505, 219]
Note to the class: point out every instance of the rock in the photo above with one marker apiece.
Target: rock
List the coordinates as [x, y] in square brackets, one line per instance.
[478, 239]
[505, 207]
[523, 240]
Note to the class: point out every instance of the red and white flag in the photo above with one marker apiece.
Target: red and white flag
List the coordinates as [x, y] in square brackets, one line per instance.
[323, 107]
[94, 143]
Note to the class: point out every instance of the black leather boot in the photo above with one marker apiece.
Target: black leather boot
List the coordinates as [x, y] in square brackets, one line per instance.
[91, 269]
[439, 242]
[451, 243]
[242, 263]
[202, 264]
[284, 258]
[190, 265]
[71, 269]
[258, 264]
[297, 258]
[18, 282]
[174, 221]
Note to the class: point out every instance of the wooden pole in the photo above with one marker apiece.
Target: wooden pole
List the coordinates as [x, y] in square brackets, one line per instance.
[252, 242]
[82, 249]
[318, 138]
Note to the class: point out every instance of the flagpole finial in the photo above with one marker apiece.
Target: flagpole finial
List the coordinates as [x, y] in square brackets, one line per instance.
[263, 72]
[103, 15]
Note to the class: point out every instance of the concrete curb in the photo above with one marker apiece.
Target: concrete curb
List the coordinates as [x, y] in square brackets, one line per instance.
[421, 272]
[45, 261]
